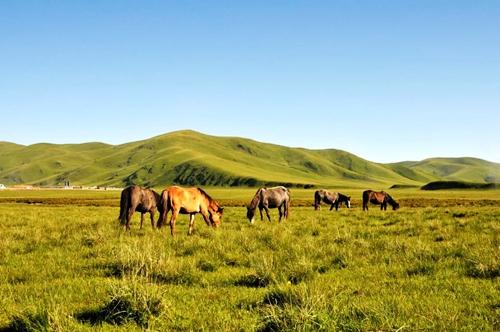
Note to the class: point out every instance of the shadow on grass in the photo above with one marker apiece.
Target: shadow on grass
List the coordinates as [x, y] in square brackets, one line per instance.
[30, 322]
[182, 276]
[253, 281]
[122, 310]
[478, 270]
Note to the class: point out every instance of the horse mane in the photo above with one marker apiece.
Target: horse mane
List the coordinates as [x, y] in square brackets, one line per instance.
[390, 200]
[204, 193]
[256, 198]
[210, 199]
[342, 195]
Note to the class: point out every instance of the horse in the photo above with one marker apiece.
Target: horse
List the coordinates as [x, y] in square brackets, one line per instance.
[265, 198]
[378, 197]
[334, 199]
[189, 201]
[134, 198]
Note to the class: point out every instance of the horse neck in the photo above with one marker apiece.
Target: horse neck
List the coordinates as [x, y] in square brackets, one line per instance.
[210, 202]
[342, 198]
[213, 204]
[255, 200]
[390, 200]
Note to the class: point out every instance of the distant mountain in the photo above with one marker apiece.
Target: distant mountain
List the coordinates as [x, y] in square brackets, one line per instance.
[191, 158]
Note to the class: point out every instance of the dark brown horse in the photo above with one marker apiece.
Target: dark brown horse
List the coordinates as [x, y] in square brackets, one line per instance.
[265, 198]
[189, 201]
[334, 199]
[378, 197]
[143, 200]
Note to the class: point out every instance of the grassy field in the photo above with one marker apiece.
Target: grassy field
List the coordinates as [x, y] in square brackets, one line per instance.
[65, 264]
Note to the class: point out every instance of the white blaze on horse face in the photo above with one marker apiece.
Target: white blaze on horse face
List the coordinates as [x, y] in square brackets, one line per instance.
[348, 204]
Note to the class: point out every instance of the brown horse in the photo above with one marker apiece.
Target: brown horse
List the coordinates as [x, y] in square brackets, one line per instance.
[134, 198]
[189, 201]
[378, 197]
[265, 198]
[334, 199]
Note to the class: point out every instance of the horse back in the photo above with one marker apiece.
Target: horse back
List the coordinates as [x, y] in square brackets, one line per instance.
[185, 200]
[377, 197]
[275, 196]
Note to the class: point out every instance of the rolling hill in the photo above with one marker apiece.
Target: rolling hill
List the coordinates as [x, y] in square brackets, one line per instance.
[188, 157]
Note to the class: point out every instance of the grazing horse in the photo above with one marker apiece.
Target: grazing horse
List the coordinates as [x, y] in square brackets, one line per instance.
[378, 197]
[334, 199]
[265, 198]
[134, 198]
[189, 201]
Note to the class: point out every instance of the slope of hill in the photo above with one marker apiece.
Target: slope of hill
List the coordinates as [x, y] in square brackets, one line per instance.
[456, 169]
[190, 158]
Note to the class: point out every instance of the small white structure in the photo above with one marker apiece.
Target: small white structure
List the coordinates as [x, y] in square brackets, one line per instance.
[2, 186]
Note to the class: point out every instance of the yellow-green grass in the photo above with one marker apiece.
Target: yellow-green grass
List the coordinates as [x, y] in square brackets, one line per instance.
[242, 196]
[71, 267]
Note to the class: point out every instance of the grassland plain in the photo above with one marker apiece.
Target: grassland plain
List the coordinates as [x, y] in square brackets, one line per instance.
[65, 264]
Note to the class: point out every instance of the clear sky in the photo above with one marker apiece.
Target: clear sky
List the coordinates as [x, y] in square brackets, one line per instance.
[385, 80]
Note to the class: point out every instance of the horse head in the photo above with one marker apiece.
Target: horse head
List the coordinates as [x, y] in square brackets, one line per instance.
[348, 202]
[250, 214]
[215, 215]
[394, 204]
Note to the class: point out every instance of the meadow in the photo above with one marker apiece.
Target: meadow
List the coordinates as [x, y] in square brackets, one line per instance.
[67, 265]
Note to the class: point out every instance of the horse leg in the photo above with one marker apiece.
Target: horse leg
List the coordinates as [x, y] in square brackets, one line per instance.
[162, 217]
[337, 205]
[261, 216]
[172, 221]
[142, 219]
[267, 213]
[331, 206]
[287, 208]
[191, 223]
[129, 216]
[281, 213]
[152, 216]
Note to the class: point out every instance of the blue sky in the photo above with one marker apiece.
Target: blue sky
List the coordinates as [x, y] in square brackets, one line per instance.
[385, 80]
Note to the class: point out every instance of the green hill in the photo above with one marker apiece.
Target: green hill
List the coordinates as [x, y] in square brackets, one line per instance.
[455, 169]
[188, 157]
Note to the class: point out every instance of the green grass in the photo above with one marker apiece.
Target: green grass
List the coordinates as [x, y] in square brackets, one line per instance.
[188, 157]
[432, 265]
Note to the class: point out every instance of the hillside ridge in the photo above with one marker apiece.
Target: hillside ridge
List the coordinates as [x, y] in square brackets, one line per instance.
[188, 157]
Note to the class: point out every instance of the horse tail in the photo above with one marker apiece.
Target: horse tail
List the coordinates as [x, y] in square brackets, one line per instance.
[317, 199]
[124, 206]
[366, 193]
[165, 207]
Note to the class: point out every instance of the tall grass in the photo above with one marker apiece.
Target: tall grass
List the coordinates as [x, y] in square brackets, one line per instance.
[66, 267]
